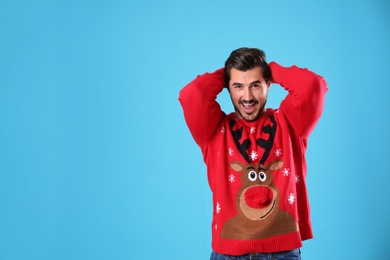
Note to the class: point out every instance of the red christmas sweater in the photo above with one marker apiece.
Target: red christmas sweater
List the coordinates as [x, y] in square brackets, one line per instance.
[257, 170]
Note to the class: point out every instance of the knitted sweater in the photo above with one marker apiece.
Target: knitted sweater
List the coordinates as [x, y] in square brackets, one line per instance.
[257, 170]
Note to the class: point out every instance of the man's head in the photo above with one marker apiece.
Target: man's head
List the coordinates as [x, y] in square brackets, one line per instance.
[247, 78]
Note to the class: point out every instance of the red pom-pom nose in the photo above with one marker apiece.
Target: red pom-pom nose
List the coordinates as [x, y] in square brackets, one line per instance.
[258, 197]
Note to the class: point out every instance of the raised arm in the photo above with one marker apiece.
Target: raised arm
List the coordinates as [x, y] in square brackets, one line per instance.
[201, 110]
[305, 100]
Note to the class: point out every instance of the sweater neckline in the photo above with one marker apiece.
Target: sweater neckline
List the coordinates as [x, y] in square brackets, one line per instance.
[244, 122]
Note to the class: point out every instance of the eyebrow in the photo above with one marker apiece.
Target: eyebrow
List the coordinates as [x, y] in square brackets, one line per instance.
[240, 84]
[254, 82]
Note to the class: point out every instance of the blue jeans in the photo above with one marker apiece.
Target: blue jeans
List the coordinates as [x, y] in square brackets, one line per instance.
[284, 255]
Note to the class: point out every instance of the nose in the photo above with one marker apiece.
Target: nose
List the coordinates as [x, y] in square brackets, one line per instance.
[247, 95]
[258, 197]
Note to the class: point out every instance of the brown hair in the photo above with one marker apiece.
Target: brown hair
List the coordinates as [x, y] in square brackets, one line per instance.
[244, 59]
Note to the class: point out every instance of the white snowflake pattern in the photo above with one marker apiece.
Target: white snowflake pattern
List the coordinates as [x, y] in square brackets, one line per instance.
[223, 130]
[218, 208]
[232, 178]
[231, 151]
[216, 226]
[291, 198]
[253, 155]
[277, 111]
[286, 172]
[253, 129]
[278, 152]
[297, 179]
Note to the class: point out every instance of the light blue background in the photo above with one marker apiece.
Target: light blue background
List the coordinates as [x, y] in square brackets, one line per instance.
[96, 161]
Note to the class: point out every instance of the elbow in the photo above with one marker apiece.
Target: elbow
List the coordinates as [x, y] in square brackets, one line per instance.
[322, 84]
[184, 95]
[320, 87]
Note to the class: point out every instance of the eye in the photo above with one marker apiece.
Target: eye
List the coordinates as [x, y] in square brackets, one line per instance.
[262, 176]
[255, 86]
[252, 175]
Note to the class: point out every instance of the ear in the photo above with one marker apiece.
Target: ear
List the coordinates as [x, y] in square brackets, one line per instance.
[268, 84]
[276, 165]
[236, 166]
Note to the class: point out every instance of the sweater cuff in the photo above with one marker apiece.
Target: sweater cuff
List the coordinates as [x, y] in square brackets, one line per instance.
[276, 72]
[212, 79]
[220, 74]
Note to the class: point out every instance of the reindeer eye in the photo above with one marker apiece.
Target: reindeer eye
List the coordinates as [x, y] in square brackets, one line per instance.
[262, 176]
[252, 175]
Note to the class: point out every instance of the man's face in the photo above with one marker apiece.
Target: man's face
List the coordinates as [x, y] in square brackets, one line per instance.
[248, 91]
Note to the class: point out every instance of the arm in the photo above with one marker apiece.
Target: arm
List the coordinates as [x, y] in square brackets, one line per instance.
[201, 110]
[305, 100]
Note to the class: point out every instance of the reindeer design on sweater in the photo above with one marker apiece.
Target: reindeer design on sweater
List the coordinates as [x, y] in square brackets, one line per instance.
[257, 201]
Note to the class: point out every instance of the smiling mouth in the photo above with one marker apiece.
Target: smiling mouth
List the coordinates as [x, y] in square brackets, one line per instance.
[269, 211]
[248, 106]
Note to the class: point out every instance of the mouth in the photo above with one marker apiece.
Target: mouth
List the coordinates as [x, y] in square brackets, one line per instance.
[273, 205]
[249, 106]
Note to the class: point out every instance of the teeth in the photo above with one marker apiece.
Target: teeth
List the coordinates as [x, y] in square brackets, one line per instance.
[246, 105]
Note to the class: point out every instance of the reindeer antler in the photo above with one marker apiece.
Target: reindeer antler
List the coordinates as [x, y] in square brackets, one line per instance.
[237, 134]
[266, 144]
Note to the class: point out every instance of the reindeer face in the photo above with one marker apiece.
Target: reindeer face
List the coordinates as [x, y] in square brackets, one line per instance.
[257, 197]
[257, 201]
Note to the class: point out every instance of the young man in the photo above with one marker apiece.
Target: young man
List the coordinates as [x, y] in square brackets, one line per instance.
[255, 156]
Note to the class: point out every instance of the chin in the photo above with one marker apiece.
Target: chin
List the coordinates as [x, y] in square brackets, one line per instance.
[247, 117]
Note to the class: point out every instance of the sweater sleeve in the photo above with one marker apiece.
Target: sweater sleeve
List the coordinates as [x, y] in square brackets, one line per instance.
[305, 100]
[201, 110]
